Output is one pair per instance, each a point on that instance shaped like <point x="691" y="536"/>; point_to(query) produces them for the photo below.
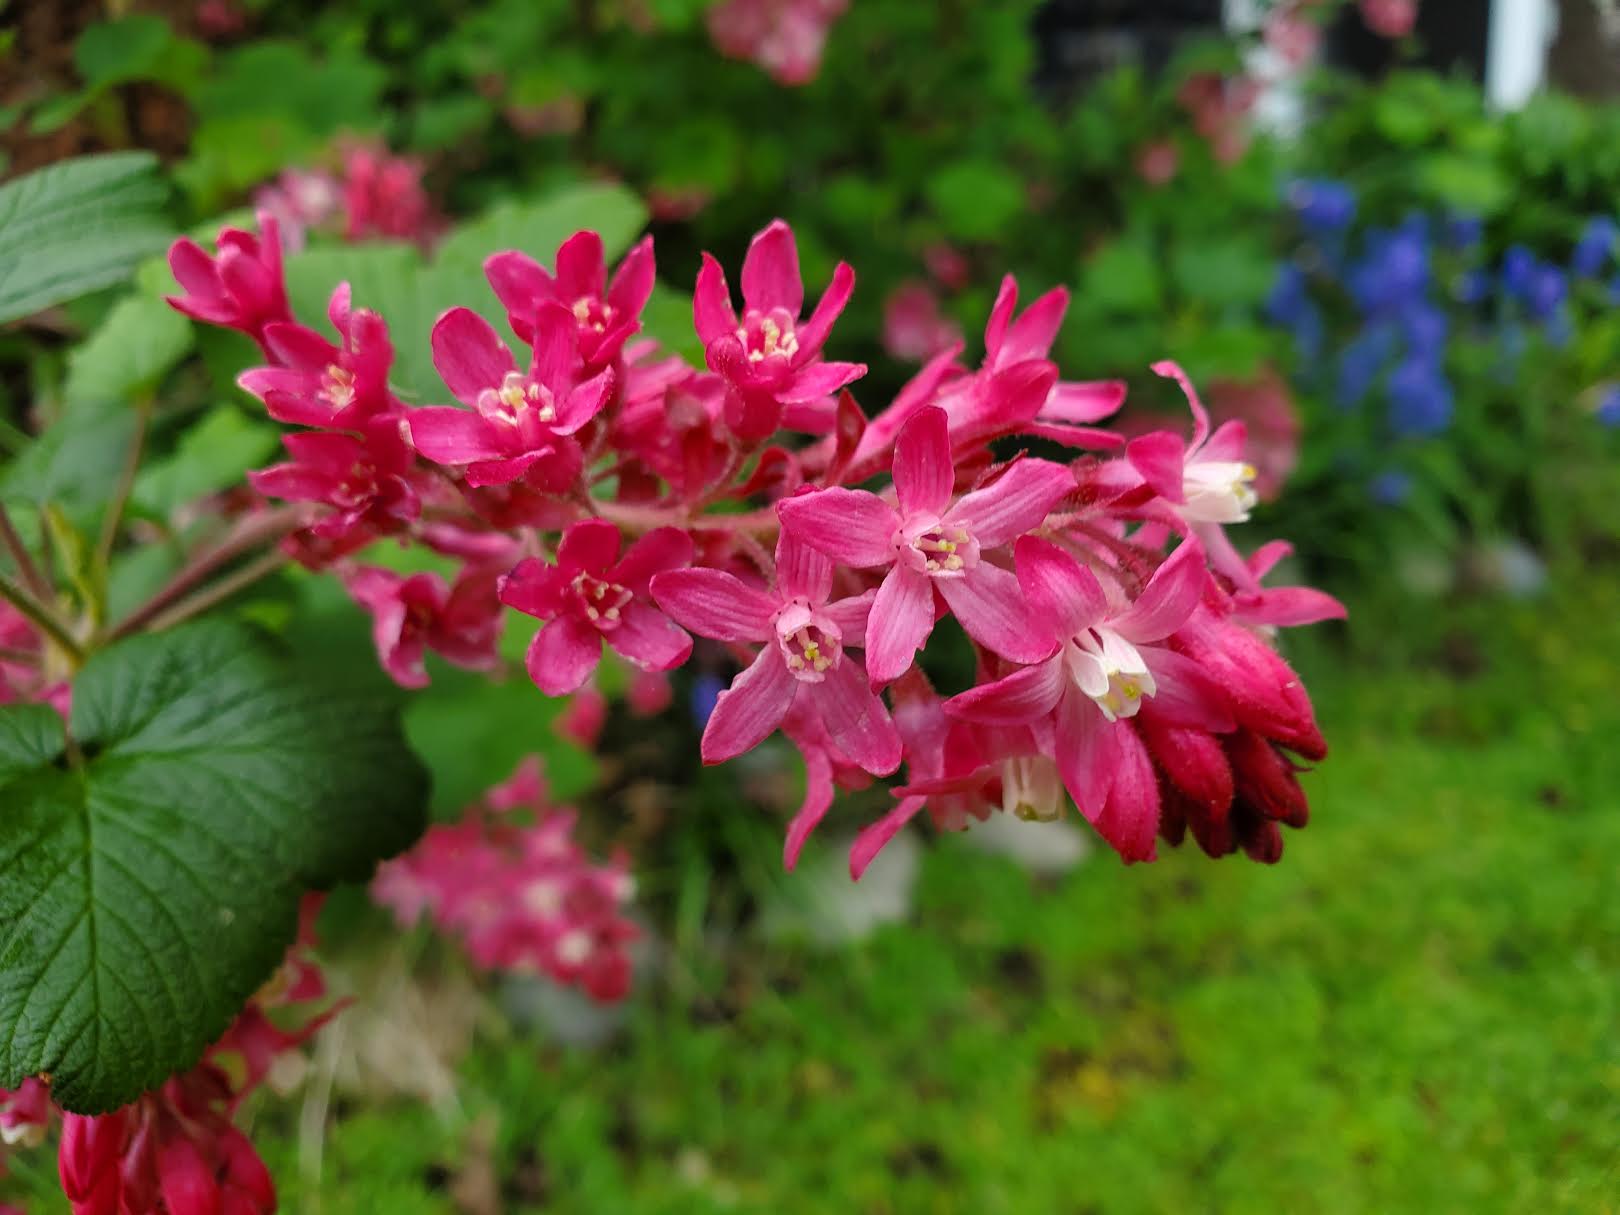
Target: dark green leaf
<point x="148" y="889"/>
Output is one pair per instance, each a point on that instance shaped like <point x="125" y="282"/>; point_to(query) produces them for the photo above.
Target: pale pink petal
<point x="802" y="570"/>
<point x="1171" y="370"/>
<point x="1288" y="606"/>
<point x="580" y="270"/>
<point x="1264" y="559"/>
<point x="747" y="712"/>
<point x="1014" y="503"/>
<point x="1229" y="442"/>
<point x="713" y="603"/>
<point x="851" y="526"/>
<point x="924" y="472"/>
<point x="563" y="654"/>
<point x="1063" y="595"/>
<point x="813" y="333"/>
<point x="770" y="273"/>
<point x="818" y="796"/>
<point x="591" y="545"/>
<point x="663" y="548"/>
<point x="1013" y="700"/>
<point x="633" y="281"/>
<point x="1161" y="458"/>
<point x="469" y="354"/>
<point x="1084" y="752"/>
<point x="856" y="719"/>
<point x="988" y="604"/>
<point x="649" y="638"/>
<point x="1169" y="597"/>
<point x="447" y="435"/>
<point x="875" y="838"/>
<point x="819" y="380"/>
<point x="1084" y="402"/>
<point x="901" y="620"/>
<point x="711" y="304"/>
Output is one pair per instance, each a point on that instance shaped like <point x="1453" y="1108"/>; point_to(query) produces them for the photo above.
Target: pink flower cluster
<point x="178" y="1150"/>
<point x="785" y="37"/>
<point x="373" y="195"/>
<point x="1123" y="644"/>
<point x="509" y="882"/>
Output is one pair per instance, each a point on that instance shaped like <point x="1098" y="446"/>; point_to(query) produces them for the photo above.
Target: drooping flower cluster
<point x="752" y="510"/>
<point x="511" y="884"/>
<point x="373" y="195"/>
<point x="785" y="37"/>
<point x="178" y="1150"/>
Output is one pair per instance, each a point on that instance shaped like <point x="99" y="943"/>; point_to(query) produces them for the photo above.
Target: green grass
<point x="1415" y="1011"/>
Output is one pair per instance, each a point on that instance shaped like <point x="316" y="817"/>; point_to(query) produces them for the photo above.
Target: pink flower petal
<point x="518" y="281"/>
<point x="711" y="304"/>
<point x="584" y="402"/>
<point x="856" y="719"/>
<point x="802" y="570"/>
<point x="535" y="588"/>
<point x="581" y="272"/>
<point x="663" y="548"/>
<point x="813" y="333"/>
<point x="1169" y="597"/>
<point x="875" y="838"/>
<point x="1014" y="503"/>
<point x="1031" y="335"/>
<point x="563" y="654"/>
<point x="1186" y="696"/>
<point x="299" y="347"/>
<point x="818" y="796"/>
<point x="556" y="336"/>
<point x="469" y="354"/>
<point x="1172" y="371"/>
<point x="748" y="712"/>
<point x="851" y="616"/>
<point x="1084" y="402"/>
<point x="504" y="472"/>
<point x="901" y="620"/>
<point x="1013" y="700"/>
<point x="851" y="526"/>
<point x="633" y="281"/>
<point x="1063" y="595"/>
<point x="1001" y="313"/>
<point x="924" y="471"/>
<point x="447" y="435"/>
<point x="591" y="545"/>
<point x="1130" y="818"/>
<point x="713" y="603"/>
<point x="1161" y="458"/>
<point x="1288" y="606"/>
<point x="1084" y="745"/>
<point x="819" y="380"/>
<point x="770" y="273"/>
<point x="649" y="638"/>
<point x="988" y="604"/>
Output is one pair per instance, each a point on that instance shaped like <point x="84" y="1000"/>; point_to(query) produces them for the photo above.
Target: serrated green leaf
<point x="75" y="463"/>
<point x="137" y="344"/>
<point x="149" y="889"/>
<point x="77" y="226"/>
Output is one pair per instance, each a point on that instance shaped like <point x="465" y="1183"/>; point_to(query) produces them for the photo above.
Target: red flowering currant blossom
<point x="383" y="197"/>
<point x="1390" y="18"/>
<point x="927" y="542"/>
<point x="914" y="329"/>
<point x="520" y="423"/>
<point x="785" y="37"/>
<point x="592" y="595"/>
<point x="607" y="314"/>
<point x="322" y="385"/>
<point x="25" y="1114"/>
<point x="414" y="614"/>
<point x="805" y="656"/>
<point x="771" y="360"/>
<point x="241" y="287"/>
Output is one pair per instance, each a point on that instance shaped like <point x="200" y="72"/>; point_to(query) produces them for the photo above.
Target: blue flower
<point x="1472" y="287"/>
<point x="1464" y="232"/>
<point x="706" y="689"/>
<point x="1608" y="410"/>
<point x="1595" y="248"/>
<point x="1548" y="288"/>
<point x="1425" y="328"/>
<point x="1518" y="268"/>
<point x="1323" y="206"/>
<point x="1420" y="398"/>
<point x="1393" y="270"/>
<point x="1390" y="488"/>
<point x="1361" y="361"/>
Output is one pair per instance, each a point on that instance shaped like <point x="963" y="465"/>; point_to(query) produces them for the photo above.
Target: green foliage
<point x="76" y="226"/>
<point x="135" y="346"/>
<point x="153" y="867"/>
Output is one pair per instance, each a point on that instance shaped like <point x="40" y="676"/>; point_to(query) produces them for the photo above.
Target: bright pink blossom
<point x="785" y="37"/>
<point x="805" y="656"/>
<point x="1390" y="18"/>
<point x="914" y="329"/>
<point x="322" y="385"/>
<point x="606" y="314"/>
<point x="520" y="422"/>
<point x="771" y="359"/>
<point x="383" y="197"/>
<point x="414" y="614"/>
<point x="241" y="287"/>
<point x="929" y="542"/>
<point x="25" y="1114"/>
<point x="1158" y="162"/>
<point x="592" y="595"/>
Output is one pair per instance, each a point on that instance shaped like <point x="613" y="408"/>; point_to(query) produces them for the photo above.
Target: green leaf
<point x="537" y="228"/>
<point x="975" y="200"/>
<point x="77" y="226"/>
<point x="1223" y="272"/>
<point x="137" y="344"/>
<point x="149" y="889"/>
<point x="213" y="455"/>
<point x="75" y="463"/>
<point x="1122" y="277"/>
<point x="112" y="52"/>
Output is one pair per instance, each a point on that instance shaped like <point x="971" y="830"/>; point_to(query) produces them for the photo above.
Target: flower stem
<point x="43" y="618"/>
<point x="26" y="569"/>
<point x="218" y="592"/>
<point x="120" y="498"/>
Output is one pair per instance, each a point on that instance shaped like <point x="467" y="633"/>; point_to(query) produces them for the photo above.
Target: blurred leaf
<point x="75" y="463"/>
<point x="1229" y="272"/>
<point x="975" y="199"/>
<point x="76" y="226"/>
<point x="537" y="228"/>
<point x="1123" y="277"/>
<point x="213" y="455"/>
<point x="131" y="351"/>
<point x="1465" y="185"/>
<point x="130" y="48"/>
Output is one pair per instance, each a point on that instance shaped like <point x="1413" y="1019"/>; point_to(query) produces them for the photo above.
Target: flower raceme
<point x="1123" y="644"/>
